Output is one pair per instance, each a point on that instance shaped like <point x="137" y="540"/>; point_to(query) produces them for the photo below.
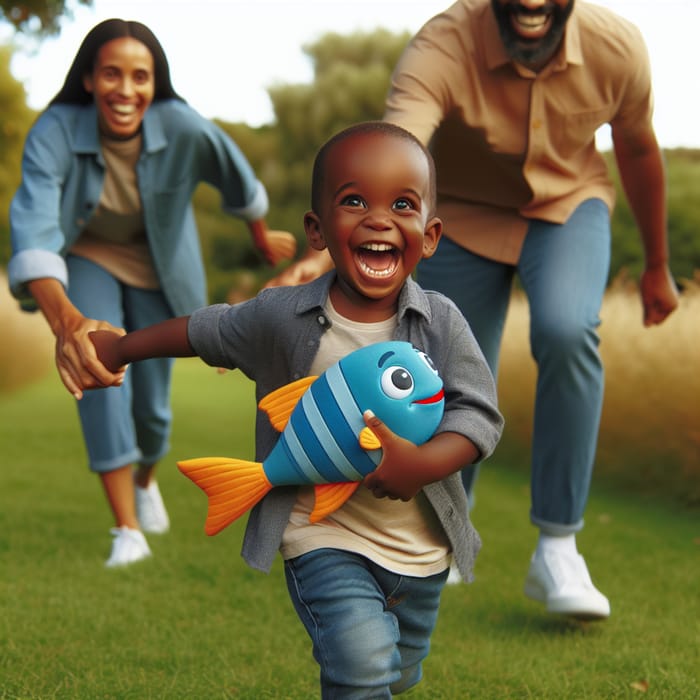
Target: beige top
<point x="509" y="144"/>
<point x="403" y="537"/>
<point x="115" y="236"/>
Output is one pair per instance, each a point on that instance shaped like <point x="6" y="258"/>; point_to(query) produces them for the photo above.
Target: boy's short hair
<point x="369" y="127"/>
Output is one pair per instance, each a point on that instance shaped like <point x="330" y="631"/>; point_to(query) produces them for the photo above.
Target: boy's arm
<point x="406" y="468"/>
<point x="166" y="339"/>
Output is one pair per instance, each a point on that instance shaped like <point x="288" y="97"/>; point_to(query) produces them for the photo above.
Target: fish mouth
<point x="378" y="259"/>
<point x="435" y="398"/>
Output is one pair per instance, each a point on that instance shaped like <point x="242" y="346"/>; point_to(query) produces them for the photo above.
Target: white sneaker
<point x="150" y="509"/>
<point x="128" y="547"/>
<point x="561" y="581"/>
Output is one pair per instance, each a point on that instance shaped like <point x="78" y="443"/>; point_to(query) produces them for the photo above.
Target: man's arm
<point x="642" y="171"/>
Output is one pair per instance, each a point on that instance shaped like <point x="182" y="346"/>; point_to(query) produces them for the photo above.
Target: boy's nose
<point x="378" y="220"/>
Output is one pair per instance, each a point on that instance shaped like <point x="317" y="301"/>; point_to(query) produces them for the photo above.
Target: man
<point x="509" y="95"/>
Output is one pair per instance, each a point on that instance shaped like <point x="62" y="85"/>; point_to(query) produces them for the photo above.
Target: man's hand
<point x="659" y="294"/>
<point x="313" y="264"/>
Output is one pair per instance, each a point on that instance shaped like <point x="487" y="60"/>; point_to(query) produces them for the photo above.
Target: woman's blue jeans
<point x="370" y="628"/>
<point x="563" y="269"/>
<point x="131" y="423"/>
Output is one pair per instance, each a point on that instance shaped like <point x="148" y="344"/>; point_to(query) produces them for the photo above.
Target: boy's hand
<point x="401" y="473"/>
<point x="106" y="346"/>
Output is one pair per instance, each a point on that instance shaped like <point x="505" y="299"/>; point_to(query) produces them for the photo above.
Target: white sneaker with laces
<point x="128" y="547"/>
<point x="561" y="581"/>
<point x="150" y="509"/>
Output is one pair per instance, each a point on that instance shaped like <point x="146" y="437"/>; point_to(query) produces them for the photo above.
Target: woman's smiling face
<point x="122" y="84"/>
<point x="375" y="216"/>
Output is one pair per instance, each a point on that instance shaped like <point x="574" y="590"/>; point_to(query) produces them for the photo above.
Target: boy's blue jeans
<point x="131" y="423"/>
<point x="370" y="628"/>
<point x="563" y="269"/>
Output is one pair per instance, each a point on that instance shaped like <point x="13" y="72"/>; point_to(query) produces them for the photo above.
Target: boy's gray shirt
<point x="273" y="340"/>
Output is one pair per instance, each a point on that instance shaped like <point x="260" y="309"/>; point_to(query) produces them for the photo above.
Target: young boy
<point x="365" y="581"/>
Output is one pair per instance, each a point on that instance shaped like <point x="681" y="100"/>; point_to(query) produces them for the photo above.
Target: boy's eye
<point x="353" y="200"/>
<point x="403" y="203"/>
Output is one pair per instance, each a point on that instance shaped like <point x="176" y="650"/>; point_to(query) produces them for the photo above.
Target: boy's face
<point x="374" y="217"/>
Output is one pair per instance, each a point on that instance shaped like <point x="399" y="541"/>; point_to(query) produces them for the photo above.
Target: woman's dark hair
<point x="73" y="91"/>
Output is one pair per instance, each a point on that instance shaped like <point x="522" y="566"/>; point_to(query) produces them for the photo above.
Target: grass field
<point x="195" y="623"/>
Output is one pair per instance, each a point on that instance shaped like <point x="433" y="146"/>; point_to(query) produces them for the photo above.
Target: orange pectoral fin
<point x="233" y="487"/>
<point x="368" y="440"/>
<point x="329" y="497"/>
<point x="280" y="403"/>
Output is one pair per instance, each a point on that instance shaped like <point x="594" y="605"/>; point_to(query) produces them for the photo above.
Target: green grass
<point x="194" y="622"/>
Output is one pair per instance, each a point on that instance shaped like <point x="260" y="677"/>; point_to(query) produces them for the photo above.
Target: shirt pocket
<point x="574" y="132"/>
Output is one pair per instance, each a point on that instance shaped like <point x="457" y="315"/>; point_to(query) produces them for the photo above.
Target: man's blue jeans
<point x="563" y="269"/>
<point x="131" y="423"/>
<point x="370" y="628"/>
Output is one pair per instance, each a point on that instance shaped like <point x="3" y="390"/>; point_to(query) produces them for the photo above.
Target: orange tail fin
<point x="233" y="486"/>
<point x="329" y="497"/>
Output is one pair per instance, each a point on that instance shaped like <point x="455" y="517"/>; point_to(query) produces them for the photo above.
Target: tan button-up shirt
<point x="509" y="144"/>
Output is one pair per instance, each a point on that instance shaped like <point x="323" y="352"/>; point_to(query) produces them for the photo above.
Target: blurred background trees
<point x="351" y="78"/>
<point x="39" y="17"/>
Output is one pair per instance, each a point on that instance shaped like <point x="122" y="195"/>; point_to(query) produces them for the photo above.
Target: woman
<point x="102" y="228"/>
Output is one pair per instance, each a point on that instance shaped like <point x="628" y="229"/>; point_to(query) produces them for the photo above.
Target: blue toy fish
<point x="324" y="438"/>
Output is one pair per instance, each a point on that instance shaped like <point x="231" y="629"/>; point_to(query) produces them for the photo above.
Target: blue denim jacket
<point x="62" y="177"/>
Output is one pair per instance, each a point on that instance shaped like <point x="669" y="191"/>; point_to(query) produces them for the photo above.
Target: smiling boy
<point x="366" y="580"/>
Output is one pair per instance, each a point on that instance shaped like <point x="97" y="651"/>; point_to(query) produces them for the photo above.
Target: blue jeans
<point x="131" y="423"/>
<point x="370" y="628"/>
<point x="563" y="269"/>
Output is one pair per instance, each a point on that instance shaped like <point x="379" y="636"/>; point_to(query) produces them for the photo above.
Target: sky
<point x="224" y="54"/>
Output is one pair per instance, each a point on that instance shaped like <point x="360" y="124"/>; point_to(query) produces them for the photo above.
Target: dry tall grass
<point x="26" y="355"/>
<point x="650" y="430"/>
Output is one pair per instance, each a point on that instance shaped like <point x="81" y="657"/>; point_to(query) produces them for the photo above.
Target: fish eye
<point x="427" y="361"/>
<point x="397" y="382"/>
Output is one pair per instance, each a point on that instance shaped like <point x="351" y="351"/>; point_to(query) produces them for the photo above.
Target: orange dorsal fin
<point x="233" y="487"/>
<point x="329" y="497"/>
<point x="280" y="403"/>
<point x="368" y="440"/>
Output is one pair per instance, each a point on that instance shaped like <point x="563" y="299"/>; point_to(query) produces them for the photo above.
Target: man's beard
<point x="533" y="51"/>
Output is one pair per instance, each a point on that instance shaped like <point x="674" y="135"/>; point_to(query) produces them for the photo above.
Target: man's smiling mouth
<point x="377" y="259"/>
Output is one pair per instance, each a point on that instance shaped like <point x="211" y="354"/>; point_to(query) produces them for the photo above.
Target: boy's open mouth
<point x="377" y="259"/>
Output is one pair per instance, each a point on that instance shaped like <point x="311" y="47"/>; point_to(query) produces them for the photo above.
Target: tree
<point x="15" y="122"/>
<point x="39" y="17"/>
<point x="351" y="79"/>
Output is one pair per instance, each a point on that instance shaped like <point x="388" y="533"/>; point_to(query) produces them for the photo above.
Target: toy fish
<point x="324" y="439"/>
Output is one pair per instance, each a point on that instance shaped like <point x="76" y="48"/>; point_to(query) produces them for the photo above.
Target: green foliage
<point x="195" y="622"/>
<point x="14" y="124"/>
<point x="683" y="178"/>
<point x="351" y="78"/>
<point x="39" y="17"/>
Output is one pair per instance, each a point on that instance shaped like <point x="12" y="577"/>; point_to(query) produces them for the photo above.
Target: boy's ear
<point x="312" y="227"/>
<point x="87" y="83"/>
<point x="432" y="236"/>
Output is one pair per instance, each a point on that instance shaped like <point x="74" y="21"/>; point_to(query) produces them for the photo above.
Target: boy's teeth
<point x="377" y="247"/>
